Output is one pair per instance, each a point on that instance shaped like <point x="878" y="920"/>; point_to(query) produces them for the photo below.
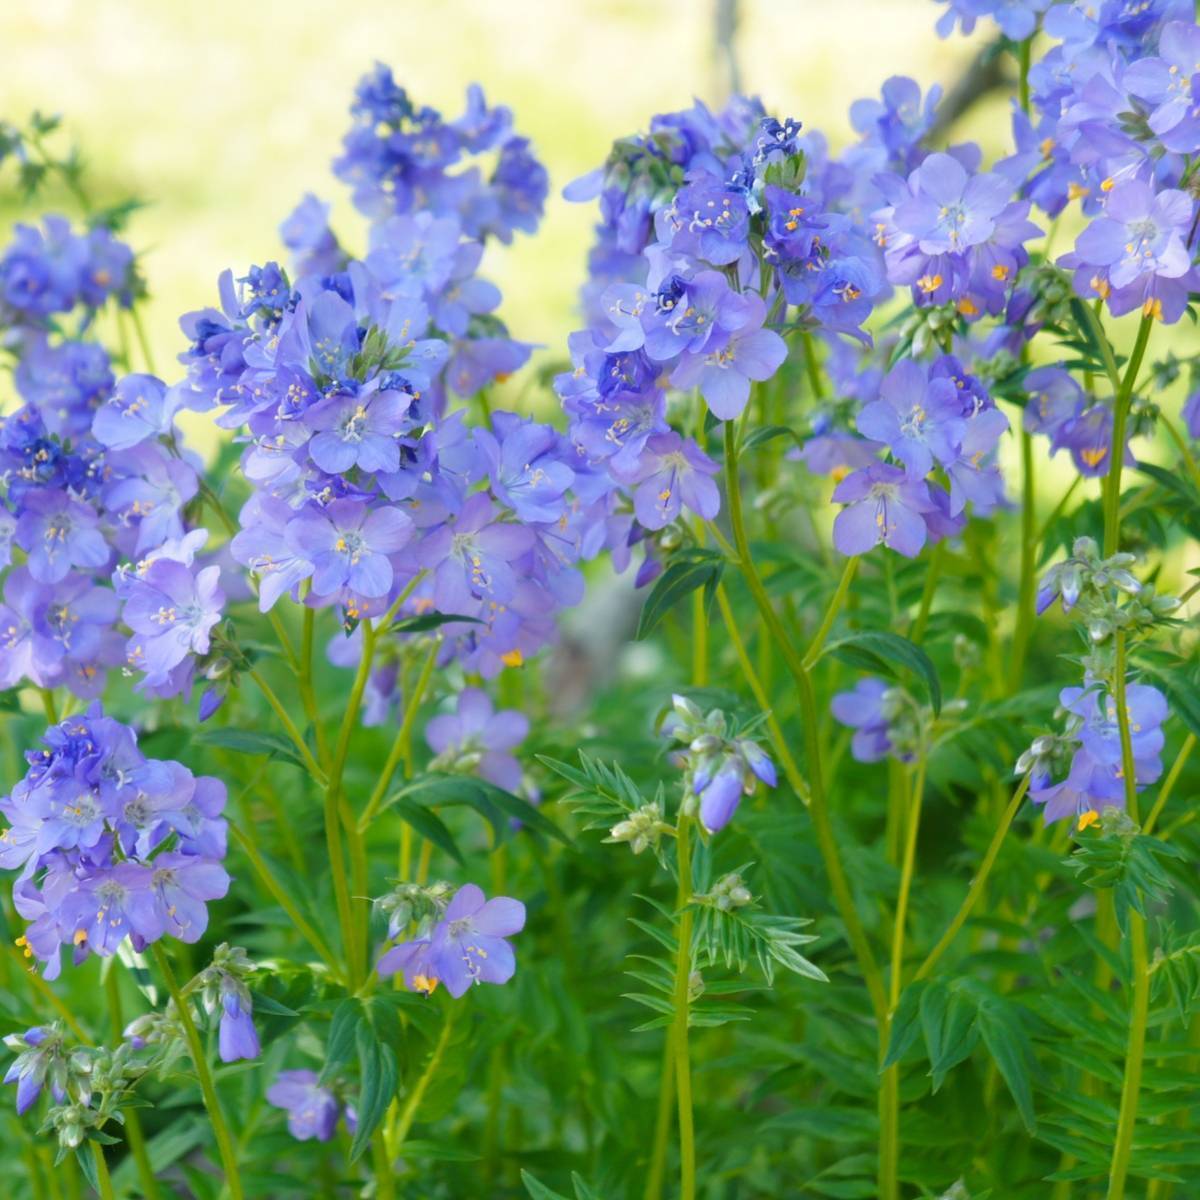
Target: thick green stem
<point x="1112" y="490"/>
<point x="818" y="808"/>
<point x="51" y="709"/>
<point x="662" y="1122"/>
<point x="103" y="1179"/>
<point x="1139" y="1006"/>
<point x="1027" y="587"/>
<point x="977" y="884"/>
<point x="399" y="748"/>
<point x="208" y="1089"/>
<point x="679" y="1032"/>
<point x="889" y="1091"/>
<point x="355" y="954"/>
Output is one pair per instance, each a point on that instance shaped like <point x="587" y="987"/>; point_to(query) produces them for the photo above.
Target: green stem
<point x="1139" y="1006"/>
<point x="49" y="705"/>
<point x="790" y="770"/>
<point x="831" y="612"/>
<point x="283" y="899"/>
<point x="403" y="736"/>
<point x="304" y="677"/>
<point x="662" y="1122"/>
<point x="133" y="1124"/>
<point x="413" y="1103"/>
<point x="889" y="1092"/>
<point x="333" y="824"/>
<point x="297" y="738"/>
<point x="1023" y="56"/>
<point x="385" y="1177"/>
<point x="203" y="1075"/>
<point x="143" y="342"/>
<point x="933" y="573"/>
<point x="818" y="808"/>
<point x="1168" y="786"/>
<point x="1182" y="446"/>
<point x="1112" y="492"/>
<point x="679" y="1032"/>
<point x="1027" y="588"/>
<point x="977" y="884"/>
<point x="51" y="997"/>
<point x="813" y="366"/>
<point x="103" y="1179"/>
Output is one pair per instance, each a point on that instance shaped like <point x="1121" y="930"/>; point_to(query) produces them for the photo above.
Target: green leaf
<point x="688" y="570"/>
<point x="430" y="620"/>
<point x="905" y="1024"/>
<point x="492" y="802"/>
<point x="429" y="825"/>
<point x="1008" y="1044"/>
<point x="264" y="1004"/>
<point x="538" y="1190"/>
<point x="766" y="433"/>
<point x="377" y="1087"/>
<point x="250" y="741"/>
<point x="948" y="1022"/>
<point x="880" y="651"/>
<point x="339" y="1046"/>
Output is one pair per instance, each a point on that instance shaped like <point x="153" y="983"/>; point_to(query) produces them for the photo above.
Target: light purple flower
<point x="882" y="505"/>
<point x="348" y="546"/>
<point x="312" y="1110"/>
<point x="58" y="533"/>
<point x="478" y="737"/>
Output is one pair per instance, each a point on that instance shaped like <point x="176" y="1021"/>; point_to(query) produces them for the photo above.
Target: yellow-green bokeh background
<point x="222" y="113"/>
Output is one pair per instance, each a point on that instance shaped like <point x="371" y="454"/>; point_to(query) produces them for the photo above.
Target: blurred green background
<point x="222" y="114"/>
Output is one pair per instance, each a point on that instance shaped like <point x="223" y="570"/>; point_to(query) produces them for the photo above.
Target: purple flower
<point x="1170" y="83"/>
<point x="141" y="407"/>
<point x="526" y="471"/>
<point x="863" y="711"/>
<point x="882" y="505"/>
<point x="348" y="546"/>
<point x="171" y="611"/>
<point x="354" y="431"/>
<point x="58" y="533"/>
<point x="687" y="315"/>
<point x="1135" y="255"/>
<point x="950" y="210"/>
<point x="237" y="1037"/>
<point x="724" y="370"/>
<point x="472" y="557"/>
<point x="671" y="472"/>
<point x="477" y="738"/>
<point x="918" y="418"/>
<point x="468" y="945"/>
<point x="175" y="900"/>
<point x="312" y="1110"/>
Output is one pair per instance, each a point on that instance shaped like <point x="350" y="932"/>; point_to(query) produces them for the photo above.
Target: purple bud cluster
<point x="110" y="844"/>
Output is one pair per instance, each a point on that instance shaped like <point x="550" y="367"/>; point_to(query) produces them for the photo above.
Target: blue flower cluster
<point x="370" y="490"/>
<point x="110" y="844"/>
<point x="54" y="271"/>
<point x="94" y="475"/>
<point x="1114" y="119"/>
<point x="724" y="235"/>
